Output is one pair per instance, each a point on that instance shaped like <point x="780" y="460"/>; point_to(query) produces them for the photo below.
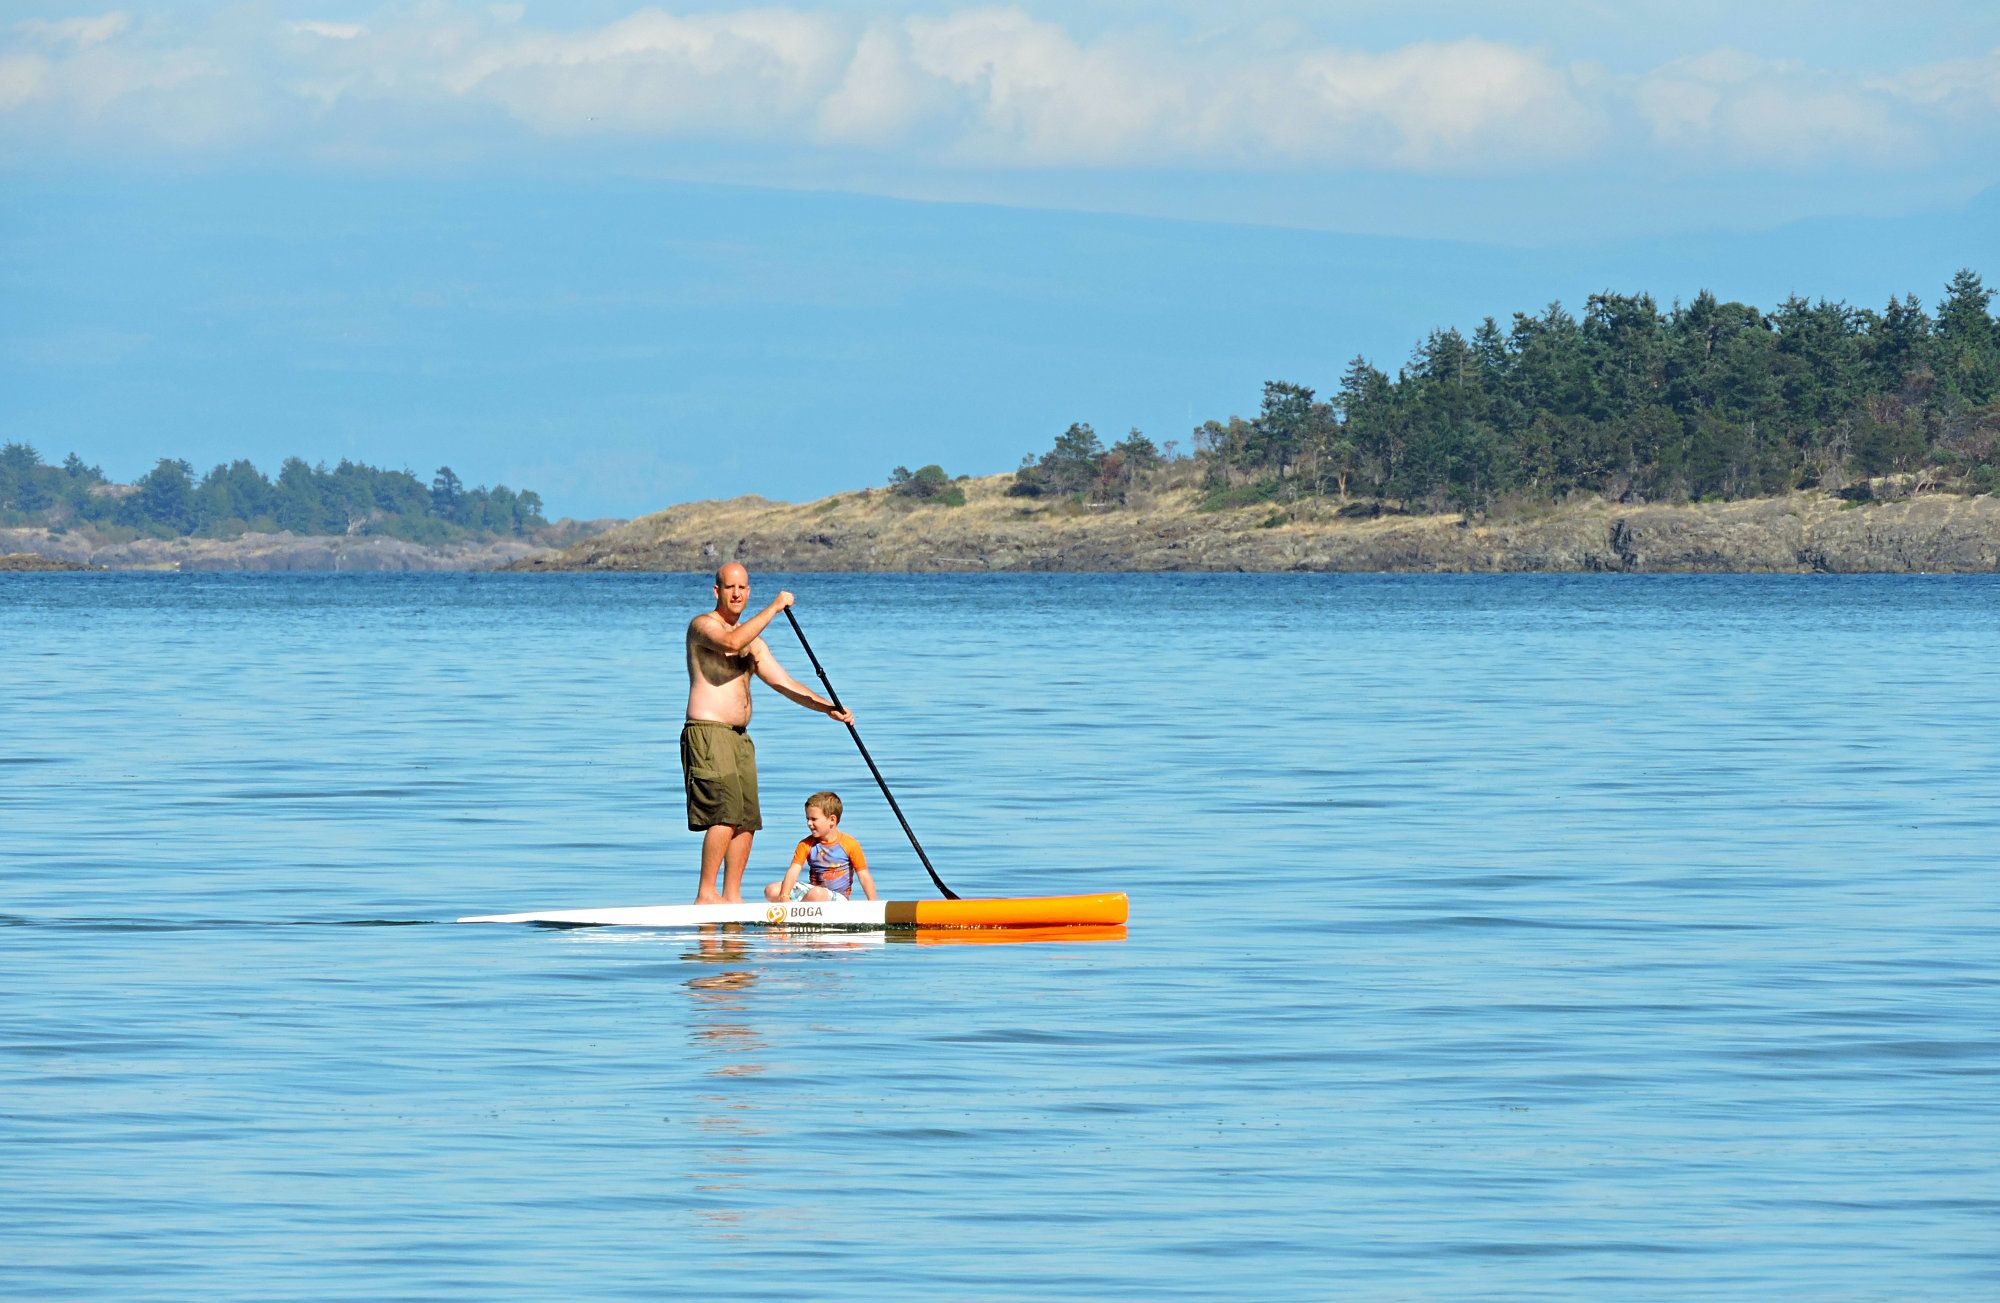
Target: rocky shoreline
<point x="876" y="531"/>
<point x="76" y="550"/>
<point x="32" y="562"/>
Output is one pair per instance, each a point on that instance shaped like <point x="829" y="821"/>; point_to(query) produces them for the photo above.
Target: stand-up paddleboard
<point x="1020" y="911"/>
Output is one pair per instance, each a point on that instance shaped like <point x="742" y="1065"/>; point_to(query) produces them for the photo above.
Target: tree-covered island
<point x="1703" y="401"/>
<point x="352" y="498"/>
<point x="1705" y="436"/>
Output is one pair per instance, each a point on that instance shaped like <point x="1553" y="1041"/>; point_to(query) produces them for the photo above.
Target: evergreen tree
<point x="500" y="517"/>
<point x="165" y="501"/>
<point x="1822" y="373"/>
<point x="1627" y="339"/>
<point x="1137" y="452"/>
<point x="1363" y="408"/>
<point x="22" y="485"/>
<point x="1898" y="345"/>
<point x="1967" y="341"/>
<point x="1283" y="430"/>
<point x="300" y="505"/>
<point x="1072" y="465"/>
<point x="446" y="491"/>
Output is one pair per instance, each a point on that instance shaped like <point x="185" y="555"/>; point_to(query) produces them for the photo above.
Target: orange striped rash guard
<point x="831" y="864"/>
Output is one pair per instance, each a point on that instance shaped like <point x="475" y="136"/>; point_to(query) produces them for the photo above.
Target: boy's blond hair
<point x="828" y="803"/>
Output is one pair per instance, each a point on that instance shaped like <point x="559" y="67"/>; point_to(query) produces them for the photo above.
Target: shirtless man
<point x="720" y="765"/>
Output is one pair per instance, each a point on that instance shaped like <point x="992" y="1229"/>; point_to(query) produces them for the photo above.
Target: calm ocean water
<point x="1502" y="937"/>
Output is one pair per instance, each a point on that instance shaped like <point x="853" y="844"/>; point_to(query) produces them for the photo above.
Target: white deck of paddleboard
<point x="829" y="913"/>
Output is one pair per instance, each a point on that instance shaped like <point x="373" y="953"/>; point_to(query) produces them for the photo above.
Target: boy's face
<point x="820" y="823"/>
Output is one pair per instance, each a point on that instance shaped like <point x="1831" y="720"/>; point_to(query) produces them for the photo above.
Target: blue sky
<point x="629" y="256"/>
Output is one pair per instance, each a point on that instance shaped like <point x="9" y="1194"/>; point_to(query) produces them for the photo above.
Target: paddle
<point x="834" y="697"/>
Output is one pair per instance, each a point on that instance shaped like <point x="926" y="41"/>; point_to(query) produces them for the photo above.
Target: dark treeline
<point x="1701" y="401"/>
<point x="168" y="501"/>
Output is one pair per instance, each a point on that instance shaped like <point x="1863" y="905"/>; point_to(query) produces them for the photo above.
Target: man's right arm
<point x="735" y="640"/>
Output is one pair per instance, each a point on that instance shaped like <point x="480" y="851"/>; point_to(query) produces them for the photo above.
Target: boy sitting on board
<point x="828" y="857"/>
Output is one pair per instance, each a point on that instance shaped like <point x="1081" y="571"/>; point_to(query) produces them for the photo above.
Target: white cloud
<point x="331" y="31"/>
<point x="749" y="73"/>
<point x="95" y="81"/>
<point x="1742" y="110"/>
<point x="1959" y="88"/>
<point x="972" y="88"/>
<point x="1432" y="105"/>
<point x="81" y="32"/>
<point x="1017" y="91"/>
<point x="883" y="98"/>
<point x="1032" y="94"/>
<point x="22" y="77"/>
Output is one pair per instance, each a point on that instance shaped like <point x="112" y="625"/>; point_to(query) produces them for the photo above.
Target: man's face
<point x="732" y="589"/>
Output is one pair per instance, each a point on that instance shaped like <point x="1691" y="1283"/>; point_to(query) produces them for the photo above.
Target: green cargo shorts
<point x="719" y="764"/>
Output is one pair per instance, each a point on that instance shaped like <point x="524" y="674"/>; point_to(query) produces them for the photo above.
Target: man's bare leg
<point x="733" y="864"/>
<point x="714" y="843"/>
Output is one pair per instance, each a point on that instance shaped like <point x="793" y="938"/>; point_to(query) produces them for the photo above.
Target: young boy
<point x="830" y="858"/>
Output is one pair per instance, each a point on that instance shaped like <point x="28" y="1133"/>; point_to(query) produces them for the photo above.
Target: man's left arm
<point x="767" y="668"/>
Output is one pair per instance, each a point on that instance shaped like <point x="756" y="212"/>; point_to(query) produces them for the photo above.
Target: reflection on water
<point x="723" y="1038"/>
<point x="1009" y="936"/>
<point x="749" y="983"/>
<point x="721" y="997"/>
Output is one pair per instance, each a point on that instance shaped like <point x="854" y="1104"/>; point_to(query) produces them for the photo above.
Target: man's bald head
<point x="732" y="591"/>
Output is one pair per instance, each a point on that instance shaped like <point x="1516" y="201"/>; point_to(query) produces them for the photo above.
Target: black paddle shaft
<point x="854" y="733"/>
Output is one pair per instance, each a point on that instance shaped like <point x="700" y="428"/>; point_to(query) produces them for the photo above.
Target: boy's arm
<point x="860" y="863"/>
<point x="792" y="872"/>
